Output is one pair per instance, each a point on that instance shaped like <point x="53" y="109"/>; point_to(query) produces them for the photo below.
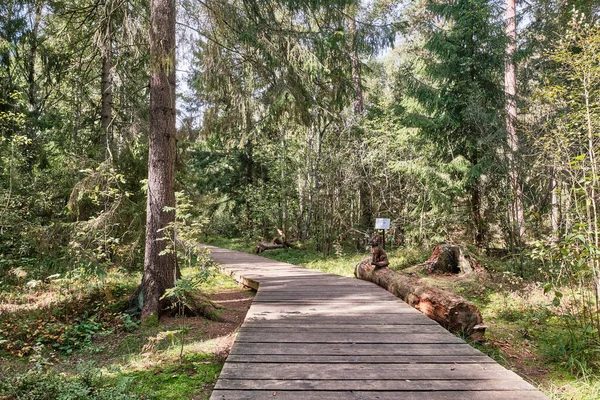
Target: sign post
<point x="382" y="224"/>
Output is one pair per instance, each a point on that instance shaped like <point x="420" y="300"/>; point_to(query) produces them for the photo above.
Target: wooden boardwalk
<point x="310" y="335"/>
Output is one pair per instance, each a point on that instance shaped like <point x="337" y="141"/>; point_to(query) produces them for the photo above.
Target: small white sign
<point x="382" y="223"/>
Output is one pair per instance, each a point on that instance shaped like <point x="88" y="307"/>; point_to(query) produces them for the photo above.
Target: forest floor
<point x="67" y="336"/>
<point x="68" y="339"/>
<point x="526" y="332"/>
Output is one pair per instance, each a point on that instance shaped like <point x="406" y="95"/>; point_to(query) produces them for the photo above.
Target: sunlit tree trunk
<point x="160" y="269"/>
<point x="516" y="214"/>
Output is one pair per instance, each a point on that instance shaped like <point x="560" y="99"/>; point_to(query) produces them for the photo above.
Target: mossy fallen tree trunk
<point x="451" y="311"/>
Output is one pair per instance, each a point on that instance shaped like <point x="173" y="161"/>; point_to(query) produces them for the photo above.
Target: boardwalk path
<point x="311" y="335"/>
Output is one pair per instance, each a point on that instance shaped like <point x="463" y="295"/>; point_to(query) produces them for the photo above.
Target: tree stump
<point x="449" y="258"/>
<point x="451" y="311"/>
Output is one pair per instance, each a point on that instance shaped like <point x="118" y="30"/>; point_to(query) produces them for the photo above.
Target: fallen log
<point x="276" y="243"/>
<point x="451" y="311"/>
<point x="268" y="246"/>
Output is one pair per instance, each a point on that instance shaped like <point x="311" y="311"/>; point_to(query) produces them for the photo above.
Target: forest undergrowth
<point x="69" y="338"/>
<point x="529" y="331"/>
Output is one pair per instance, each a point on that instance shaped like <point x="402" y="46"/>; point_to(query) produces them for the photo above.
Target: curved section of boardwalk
<point x="311" y="335"/>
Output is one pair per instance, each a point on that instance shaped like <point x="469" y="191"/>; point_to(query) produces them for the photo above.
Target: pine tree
<point x="160" y="265"/>
<point x="456" y="85"/>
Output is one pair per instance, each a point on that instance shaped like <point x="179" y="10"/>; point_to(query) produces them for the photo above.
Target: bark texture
<point x="160" y="270"/>
<point x="451" y="311"/>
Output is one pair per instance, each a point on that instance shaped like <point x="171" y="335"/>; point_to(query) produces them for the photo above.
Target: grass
<point x="68" y="339"/>
<point x="526" y="332"/>
<point x="194" y="376"/>
<point x="111" y="357"/>
<point x="342" y="263"/>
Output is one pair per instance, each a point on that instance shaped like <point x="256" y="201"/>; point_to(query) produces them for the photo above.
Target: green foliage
<point x="180" y="381"/>
<point x="70" y="316"/>
<point x="452" y="94"/>
<point x="570" y="254"/>
<point x="38" y="384"/>
<point x="181" y="294"/>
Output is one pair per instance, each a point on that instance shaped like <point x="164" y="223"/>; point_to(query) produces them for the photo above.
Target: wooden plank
<point x="355" y="349"/>
<point x="333" y="291"/>
<point x="372" y="384"/>
<point x="340" y="320"/>
<point x="287" y="371"/>
<point x="324" y="337"/>
<point x="348" y="318"/>
<point x="375" y="395"/>
<point x="349" y="287"/>
<point x="360" y="359"/>
<point x="319" y="300"/>
<point x="342" y="298"/>
<point x="292" y="367"/>
<point x="326" y="309"/>
<point x="331" y="328"/>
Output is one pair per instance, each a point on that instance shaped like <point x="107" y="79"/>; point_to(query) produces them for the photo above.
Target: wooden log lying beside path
<point x="451" y="311"/>
<point x="268" y="246"/>
<point x="276" y="243"/>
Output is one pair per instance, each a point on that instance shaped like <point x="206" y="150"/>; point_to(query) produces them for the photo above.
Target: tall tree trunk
<point x="314" y="190"/>
<point x="555" y="217"/>
<point x="106" y="89"/>
<point x="478" y="223"/>
<point x="106" y="92"/>
<point x="356" y="78"/>
<point x="283" y="187"/>
<point x="366" y="206"/>
<point x="593" y="224"/>
<point x="32" y="92"/>
<point x="33" y="49"/>
<point x="160" y="270"/>
<point x="248" y="161"/>
<point x="364" y="191"/>
<point x="33" y="151"/>
<point x="510" y="87"/>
